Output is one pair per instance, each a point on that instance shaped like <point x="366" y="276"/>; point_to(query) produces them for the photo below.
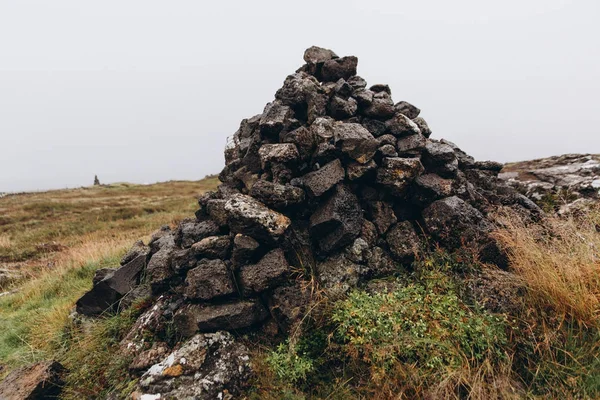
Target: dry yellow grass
<point x="5" y="241"/>
<point x="559" y="261"/>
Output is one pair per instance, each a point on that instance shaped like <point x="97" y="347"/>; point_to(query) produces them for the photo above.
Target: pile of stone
<point x="334" y="182"/>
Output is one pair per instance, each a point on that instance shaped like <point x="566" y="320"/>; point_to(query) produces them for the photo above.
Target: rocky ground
<point x="560" y="183"/>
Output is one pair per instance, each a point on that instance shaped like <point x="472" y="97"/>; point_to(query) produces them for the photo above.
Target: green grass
<point x="33" y="319"/>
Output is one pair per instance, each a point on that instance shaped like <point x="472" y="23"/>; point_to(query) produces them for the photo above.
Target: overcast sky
<point x="145" y="91"/>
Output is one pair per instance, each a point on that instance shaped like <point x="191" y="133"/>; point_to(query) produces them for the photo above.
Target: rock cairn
<point x="333" y="181"/>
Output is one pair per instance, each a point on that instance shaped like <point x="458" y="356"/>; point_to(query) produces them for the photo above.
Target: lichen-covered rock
<point x="250" y="217"/>
<point x="277" y="195"/>
<point x="207" y="366"/>
<point x="397" y="173"/>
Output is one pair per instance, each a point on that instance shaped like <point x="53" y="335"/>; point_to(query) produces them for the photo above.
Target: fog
<point x="146" y="91"/>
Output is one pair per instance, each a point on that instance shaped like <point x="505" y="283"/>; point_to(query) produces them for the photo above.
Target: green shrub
<point x="418" y="326"/>
<point x="288" y="365"/>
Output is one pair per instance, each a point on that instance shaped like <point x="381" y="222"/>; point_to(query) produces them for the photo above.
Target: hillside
<point x="559" y="183"/>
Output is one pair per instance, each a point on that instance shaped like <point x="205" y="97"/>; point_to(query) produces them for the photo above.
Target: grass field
<point x="56" y="240"/>
<point x="37" y="230"/>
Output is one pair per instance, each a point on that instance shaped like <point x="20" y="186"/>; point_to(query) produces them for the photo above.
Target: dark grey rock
<point x="387" y="139"/>
<point x="208" y="280"/>
<point x="191" y="231"/>
<point x="400" y="125"/>
<point x="138" y="249"/>
<point x="343" y="89"/>
<point x="355" y="141"/>
<point x="42" y="380"/>
<point x="271" y="271"/>
<point x="315" y="55"/>
<point x="397" y="173"/>
<point x="106" y="293"/>
<point x="212" y="247"/>
<point x="102" y="273"/>
<point x="320" y="181"/>
<point x="357" y="82"/>
<point x="193" y="318"/>
<point x="278" y="153"/>
<point x="437" y="153"/>
<point x="274" y="119"/>
<point x="381" y="88"/>
<point x="302" y="138"/>
<point x="379" y="263"/>
<point x="382" y="215"/>
<point x="159" y="270"/>
<point x="388" y="150"/>
<point x="338" y="273"/>
<point x="216" y="209"/>
<point x="430" y="187"/>
<point x="244" y="248"/>
<point x="364" y="98"/>
<point x="356" y="171"/>
<point x="407" y="109"/>
<point x="403" y="241"/>
<point x="382" y="107"/>
<point x="298" y="89"/>
<point x="412" y="145"/>
<point x="337" y="221"/>
<point x="453" y="222"/>
<point x="277" y="195"/>
<point x="337" y="68"/>
<point x="288" y="304"/>
<point x="425" y="130"/>
<point x="340" y="108"/>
